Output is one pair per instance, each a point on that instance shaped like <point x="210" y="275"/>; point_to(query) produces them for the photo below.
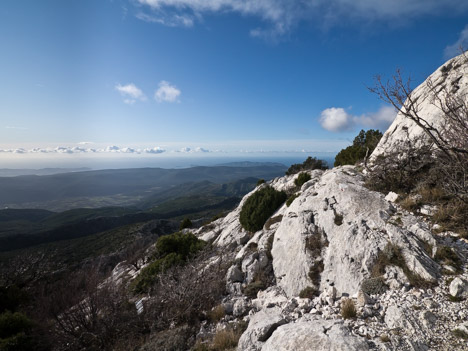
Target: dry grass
<point x="216" y="314"/>
<point x="225" y="340"/>
<point x="348" y="309"/>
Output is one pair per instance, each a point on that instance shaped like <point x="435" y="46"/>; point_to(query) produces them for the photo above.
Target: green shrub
<point x="309" y="164"/>
<point x="260" y="182"/>
<point x="291" y="199"/>
<point x="363" y="144"/>
<point x="308" y="292"/>
<point x="180" y="243"/>
<point x="348" y="309"/>
<point x="301" y="179"/>
<point x="374" y="286"/>
<point x="171" y="250"/>
<point x="259" y="207"/>
<point x="186" y="223"/>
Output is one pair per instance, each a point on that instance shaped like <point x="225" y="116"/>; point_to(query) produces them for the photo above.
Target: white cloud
<point x="337" y="119"/>
<point x="167" y="92"/>
<point x="112" y="148"/>
<point x="462" y="43"/>
<point x="155" y="150"/>
<point x="185" y="149"/>
<point x="200" y="149"/>
<point x="85" y="143"/>
<point x="131" y="93"/>
<point x="282" y="15"/>
<point x="170" y="21"/>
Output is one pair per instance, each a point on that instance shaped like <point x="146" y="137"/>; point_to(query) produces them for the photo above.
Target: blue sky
<point x="169" y="77"/>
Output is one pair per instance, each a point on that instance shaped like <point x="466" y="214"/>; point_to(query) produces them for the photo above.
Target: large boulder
<point x="356" y="224"/>
<point x="317" y="335"/>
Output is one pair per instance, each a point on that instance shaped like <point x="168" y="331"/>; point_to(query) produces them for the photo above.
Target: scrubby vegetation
<point x="432" y="169"/>
<point x="309" y="164"/>
<point x="301" y="179"/>
<point x="308" y="292"/>
<point x="374" y="286"/>
<point x="259" y="207"/>
<point x="171" y="250"/>
<point x="362" y="147"/>
<point x="186" y="223"/>
<point x="392" y="255"/>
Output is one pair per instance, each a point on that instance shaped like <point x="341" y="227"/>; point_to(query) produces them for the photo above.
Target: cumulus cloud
<point x="462" y="43"/>
<point x="131" y="93"/>
<point x="282" y="15"/>
<point x="167" y="92"/>
<point x="155" y="150"/>
<point x="337" y="119"/>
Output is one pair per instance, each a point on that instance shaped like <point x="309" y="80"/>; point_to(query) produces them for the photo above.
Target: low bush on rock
<point x="374" y="286"/>
<point x="309" y="164"/>
<point x="308" y="292"/>
<point x="259" y="207"/>
<point x="301" y="179"/>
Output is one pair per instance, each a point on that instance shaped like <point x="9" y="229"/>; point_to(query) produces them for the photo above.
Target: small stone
<point x="391" y="196"/>
<point x="458" y="288"/>
<point x="363" y="299"/>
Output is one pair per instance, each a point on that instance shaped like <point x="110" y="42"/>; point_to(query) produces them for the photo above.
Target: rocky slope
<point x="338" y="240"/>
<point x="354" y="226"/>
<point x="451" y="77"/>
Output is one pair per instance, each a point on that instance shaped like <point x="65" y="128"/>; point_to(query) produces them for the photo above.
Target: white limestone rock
<point x="391" y="197"/>
<point x="353" y="215"/>
<point x="451" y="76"/>
<point x="459" y="288"/>
<point x="261" y="326"/>
<point x="317" y="335"/>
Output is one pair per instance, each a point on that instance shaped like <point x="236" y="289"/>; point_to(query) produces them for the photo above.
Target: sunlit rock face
<point x="450" y="78"/>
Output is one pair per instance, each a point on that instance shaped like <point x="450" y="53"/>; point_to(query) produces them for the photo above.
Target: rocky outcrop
<point x="451" y="77"/>
<point x="314" y="334"/>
